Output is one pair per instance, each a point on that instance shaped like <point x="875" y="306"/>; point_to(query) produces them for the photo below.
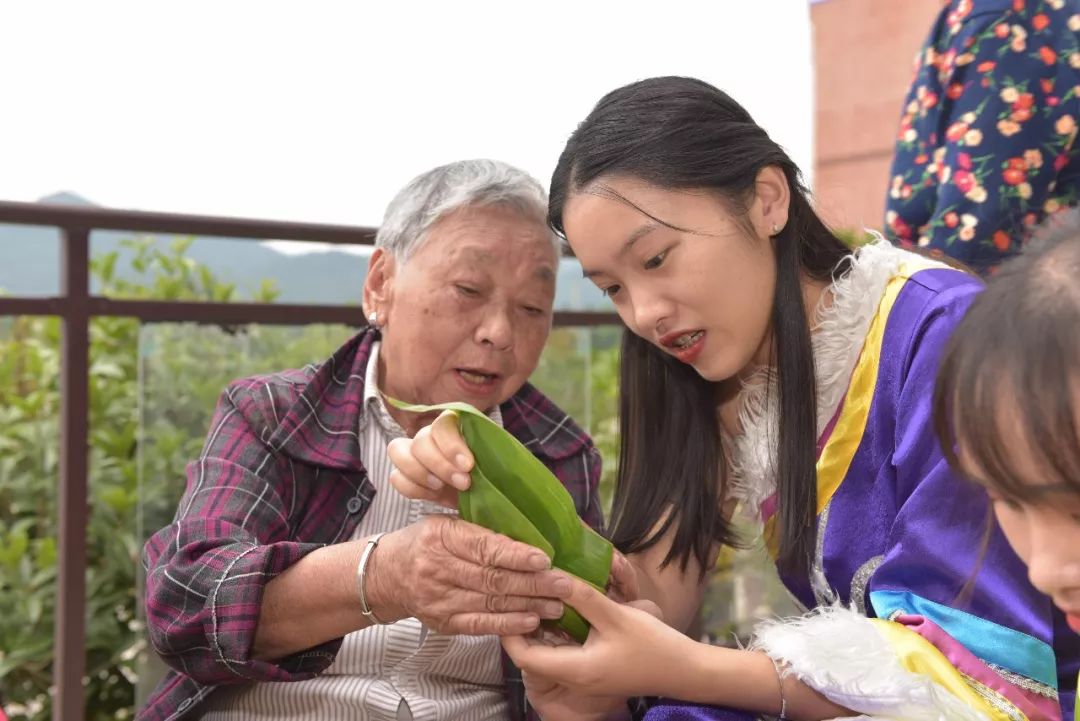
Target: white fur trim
<point x="840" y="654"/>
<point x="843" y="319"/>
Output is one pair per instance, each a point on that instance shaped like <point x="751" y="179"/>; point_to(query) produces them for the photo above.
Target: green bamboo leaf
<point x="486" y="506"/>
<point x="513" y="493"/>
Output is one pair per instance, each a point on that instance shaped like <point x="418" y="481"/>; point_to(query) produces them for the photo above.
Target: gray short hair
<point x="433" y="194"/>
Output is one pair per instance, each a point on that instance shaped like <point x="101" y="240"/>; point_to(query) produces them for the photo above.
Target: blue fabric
<point x="991" y="642"/>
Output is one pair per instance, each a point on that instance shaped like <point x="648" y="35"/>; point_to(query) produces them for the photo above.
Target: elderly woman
<point x="295" y="583"/>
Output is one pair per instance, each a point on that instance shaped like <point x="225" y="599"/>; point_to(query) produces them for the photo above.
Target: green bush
<point x="29" y="445"/>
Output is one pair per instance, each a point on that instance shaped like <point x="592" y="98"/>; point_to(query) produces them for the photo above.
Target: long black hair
<point x="682" y="133"/>
<point x="1008" y="390"/>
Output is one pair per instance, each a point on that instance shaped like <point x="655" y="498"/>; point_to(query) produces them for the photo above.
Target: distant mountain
<point x="30" y="258"/>
<point x="66" y="198"/>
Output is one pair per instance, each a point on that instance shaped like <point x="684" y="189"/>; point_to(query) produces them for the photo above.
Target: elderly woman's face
<point x="466" y="317"/>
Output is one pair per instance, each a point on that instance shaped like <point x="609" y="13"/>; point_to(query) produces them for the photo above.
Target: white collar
<point x="375" y="407"/>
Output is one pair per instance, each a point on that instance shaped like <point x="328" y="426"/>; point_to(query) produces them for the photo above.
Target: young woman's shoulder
<point x="925" y="310"/>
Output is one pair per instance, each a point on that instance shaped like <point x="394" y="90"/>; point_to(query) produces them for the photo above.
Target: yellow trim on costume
<point x="919" y="656"/>
<point x="840" y="448"/>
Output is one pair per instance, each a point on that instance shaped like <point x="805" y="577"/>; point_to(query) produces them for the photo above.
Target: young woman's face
<point x="1043" y="528"/>
<point x="703" y="292"/>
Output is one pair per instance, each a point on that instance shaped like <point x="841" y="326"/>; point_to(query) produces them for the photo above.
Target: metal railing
<point x="75" y="306"/>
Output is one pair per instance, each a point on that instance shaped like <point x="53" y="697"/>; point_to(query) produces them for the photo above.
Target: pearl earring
<point x="775" y="228"/>
<point x="373" y="319"/>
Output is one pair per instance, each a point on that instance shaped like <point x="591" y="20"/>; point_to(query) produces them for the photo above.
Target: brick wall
<point x="863" y="52"/>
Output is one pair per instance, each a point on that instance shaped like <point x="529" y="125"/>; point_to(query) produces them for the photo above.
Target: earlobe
<point x="773" y="197"/>
<point x="378" y="284"/>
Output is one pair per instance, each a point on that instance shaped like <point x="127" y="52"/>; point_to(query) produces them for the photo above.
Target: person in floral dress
<point x="986" y="144"/>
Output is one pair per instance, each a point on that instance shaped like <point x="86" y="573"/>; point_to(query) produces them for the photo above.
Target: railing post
<point x="69" y="643"/>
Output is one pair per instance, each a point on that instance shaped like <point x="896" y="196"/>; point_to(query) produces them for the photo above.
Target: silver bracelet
<point x="361" y="571"/>
<point x="783" y="698"/>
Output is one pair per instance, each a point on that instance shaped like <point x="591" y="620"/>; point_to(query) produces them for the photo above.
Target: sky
<point x="321" y="111"/>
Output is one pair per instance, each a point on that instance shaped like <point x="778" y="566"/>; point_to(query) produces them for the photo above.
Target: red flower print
<point x="955" y="91"/>
<point x="1047" y="85"/>
<point x="964" y="161"/>
<point x="1048" y="56"/>
<point x="1016" y="164"/>
<point x="1040" y="21"/>
<point x="1021" y="115"/>
<point x="921" y="159"/>
<point x="1002" y="241"/>
<point x="1014" y="176"/>
<point x="1018" y="6"/>
<point x="964" y="180"/>
<point x="1001" y="30"/>
<point x="985" y="67"/>
<point x="903" y="230"/>
<point x="1060" y="162"/>
<point x="956" y="131"/>
<point x="1026" y="100"/>
<point x="1053" y="101"/>
<point x="952" y="219"/>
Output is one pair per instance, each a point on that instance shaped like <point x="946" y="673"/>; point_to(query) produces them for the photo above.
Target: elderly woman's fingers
<point x="446" y="433"/>
<point x="436" y="462"/>
<point x="406" y="487"/>
<point x="487" y="550"/>
<point x="473" y="601"/>
<point x="497" y="624"/>
<point x="402" y="454"/>
<point x="400" y="451"/>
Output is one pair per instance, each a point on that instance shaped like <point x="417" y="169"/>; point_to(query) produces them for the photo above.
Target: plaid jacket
<point x="278" y="477"/>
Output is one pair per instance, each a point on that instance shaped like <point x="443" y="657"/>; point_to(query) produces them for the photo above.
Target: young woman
<point x="768" y="368"/>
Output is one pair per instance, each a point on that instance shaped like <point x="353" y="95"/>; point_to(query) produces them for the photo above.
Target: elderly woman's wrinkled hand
<point x="457" y="577"/>
<point x="434" y="465"/>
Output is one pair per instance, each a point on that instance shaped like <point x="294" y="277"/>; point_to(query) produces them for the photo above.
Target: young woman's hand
<point x="630" y="651"/>
<point x="555" y="702"/>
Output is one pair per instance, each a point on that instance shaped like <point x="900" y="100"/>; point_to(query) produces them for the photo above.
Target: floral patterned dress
<point x="986" y="148"/>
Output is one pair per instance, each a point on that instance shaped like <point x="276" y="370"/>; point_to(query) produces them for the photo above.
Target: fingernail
<point x="531" y="622"/>
<point x="562" y="587"/>
<point x="461" y="481"/>
<point x="540" y="562"/>
<point x="552" y="610"/>
<point x="433" y="482"/>
<point x="462" y="462"/>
